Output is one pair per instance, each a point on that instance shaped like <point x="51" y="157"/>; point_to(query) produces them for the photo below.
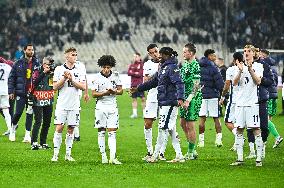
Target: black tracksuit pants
<point x="42" y="116"/>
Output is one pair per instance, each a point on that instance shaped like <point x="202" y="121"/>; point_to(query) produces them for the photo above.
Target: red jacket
<point x="135" y="70"/>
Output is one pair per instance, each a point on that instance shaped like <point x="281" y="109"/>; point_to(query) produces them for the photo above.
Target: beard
<point x="29" y="55"/>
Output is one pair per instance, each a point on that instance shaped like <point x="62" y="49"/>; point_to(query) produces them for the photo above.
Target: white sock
<point x="219" y="136"/>
<point x="162" y="136"/>
<point x="57" y="140"/>
<point x="101" y="141"/>
<point x="7" y="117"/>
<point x="28" y="133"/>
<point x="201" y="137"/>
<point x="259" y="147"/>
<point x="176" y="143"/>
<point x="76" y="131"/>
<point x="112" y="144"/>
<point x="69" y="143"/>
<point x="251" y="147"/>
<point x="148" y="139"/>
<point x="164" y="145"/>
<point x="239" y="140"/>
<point x="134" y="112"/>
<point x="234" y="131"/>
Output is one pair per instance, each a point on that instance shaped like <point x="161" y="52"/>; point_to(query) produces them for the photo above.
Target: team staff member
<point x="19" y="84"/>
<point x="135" y="70"/>
<point x="43" y="99"/>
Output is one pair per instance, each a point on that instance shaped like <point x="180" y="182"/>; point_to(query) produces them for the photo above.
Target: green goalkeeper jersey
<point x="190" y="71"/>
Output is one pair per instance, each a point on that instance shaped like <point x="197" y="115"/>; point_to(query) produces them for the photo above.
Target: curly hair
<point x="168" y="51"/>
<point x="107" y="60"/>
<point x="208" y="52"/>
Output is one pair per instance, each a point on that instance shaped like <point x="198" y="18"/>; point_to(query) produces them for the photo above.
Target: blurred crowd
<point x="201" y="21"/>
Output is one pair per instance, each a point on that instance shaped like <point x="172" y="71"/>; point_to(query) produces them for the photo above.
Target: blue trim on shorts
<point x="168" y="117"/>
<point x="230" y="103"/>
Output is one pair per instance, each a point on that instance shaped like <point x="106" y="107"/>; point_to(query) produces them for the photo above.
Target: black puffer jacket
<point x="272" y="89"/>
<point x="211" y="79"/>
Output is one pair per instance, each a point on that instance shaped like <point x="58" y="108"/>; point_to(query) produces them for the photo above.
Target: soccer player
<point x="212" y="83"/>
<point x="229" y="87"/>
<point x="170" y="96"/>
<point x="190" y="73"/>
<point x="68" y="79"/>
<point x="105" y="86"/>
<point x="248" y="78"/>
<point x="86" y="99"/>
<point x="151" y="109"/>
<point x="135" y="71"/>
<point x="5" y="70"/>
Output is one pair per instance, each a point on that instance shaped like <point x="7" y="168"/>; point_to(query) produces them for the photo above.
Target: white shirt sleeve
<point x="147" y="68"/>
<point x="94" y="84"/>
<point x="56" y="76"/>
<point x="229" y="75"/>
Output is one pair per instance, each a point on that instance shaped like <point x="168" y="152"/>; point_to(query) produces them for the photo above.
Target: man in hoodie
<point x="135" y="70"/>
<point x="212" y="83"/>
<point x="170" y="95"/>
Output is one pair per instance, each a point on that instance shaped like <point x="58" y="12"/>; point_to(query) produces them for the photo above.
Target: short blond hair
<point x="70" y="49"/>
<point x="250" y="47"/>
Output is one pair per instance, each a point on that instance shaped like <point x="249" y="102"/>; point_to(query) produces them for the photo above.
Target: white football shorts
<point x="69" y="117"/>
<point x="230" y="113"/>
<point x="247" y="116"/>
<point x="151" y="110"/>
<point x="209" y="108"/>
<point x="168" y="117"/>
<point x="4" y="101"/>
<point x="107" y="117"/>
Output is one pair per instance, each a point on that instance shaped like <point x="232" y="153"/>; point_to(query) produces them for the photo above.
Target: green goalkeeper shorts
<point x="192" y="112"/>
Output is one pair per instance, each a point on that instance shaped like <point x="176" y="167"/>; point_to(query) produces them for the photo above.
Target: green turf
<point x="22" y="167"/>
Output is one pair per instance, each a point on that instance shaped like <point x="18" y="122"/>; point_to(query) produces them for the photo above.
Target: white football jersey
<point x="83" y="68"/>
<point x="5" y="70"/>
<point x="230" y="75"/>
<point x="248" y="90"/>
<point x="101" y="83"/>
<point x="69" y="96"/>
<point x="150" y="68"/>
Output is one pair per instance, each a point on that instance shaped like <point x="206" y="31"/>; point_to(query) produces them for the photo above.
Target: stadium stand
<point x="121" y="27"/>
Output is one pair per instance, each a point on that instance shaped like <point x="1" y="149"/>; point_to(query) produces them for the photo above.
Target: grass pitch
<point x="22" y="167"/>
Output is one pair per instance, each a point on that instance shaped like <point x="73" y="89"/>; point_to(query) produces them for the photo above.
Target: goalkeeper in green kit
<point x="189" y="112"/>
